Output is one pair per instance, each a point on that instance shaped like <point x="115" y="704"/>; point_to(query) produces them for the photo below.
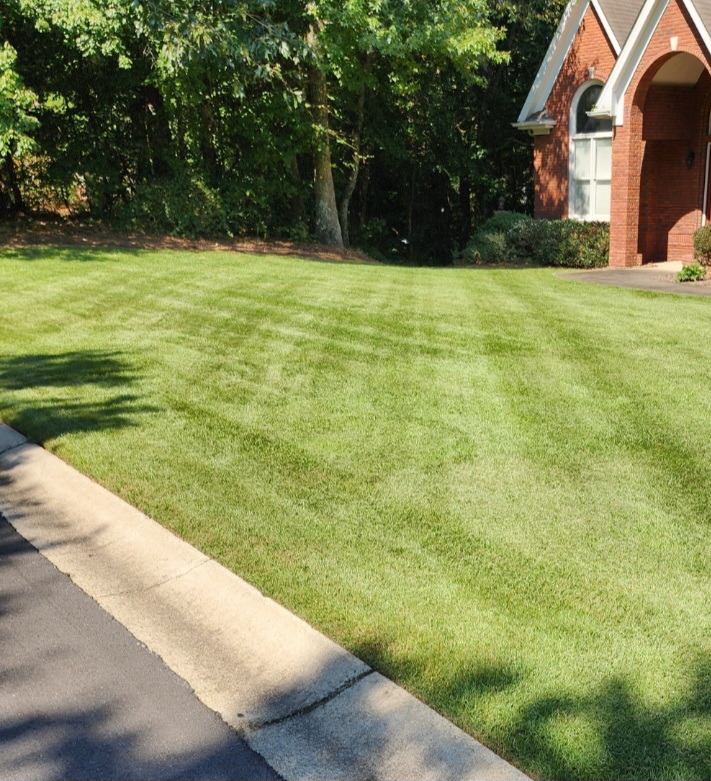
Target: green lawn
<point x="492" y="485"/>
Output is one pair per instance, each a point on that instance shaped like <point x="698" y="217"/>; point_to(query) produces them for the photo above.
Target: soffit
<point x="682" y="70"/>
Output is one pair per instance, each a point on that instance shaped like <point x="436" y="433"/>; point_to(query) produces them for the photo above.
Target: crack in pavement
<point x="350" y="683"/>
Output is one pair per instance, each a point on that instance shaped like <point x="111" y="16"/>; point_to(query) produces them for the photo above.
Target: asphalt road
<point x="81" y="698"/>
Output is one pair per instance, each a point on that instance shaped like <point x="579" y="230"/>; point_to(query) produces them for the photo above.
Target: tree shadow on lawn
<point x="626" y="737"/>
<point x="108" y="369"/>
<point x="634" y="739"/>
<point x="50" y="417"/>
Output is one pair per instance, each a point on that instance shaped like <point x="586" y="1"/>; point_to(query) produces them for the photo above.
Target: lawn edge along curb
<point x="309" y="707"/>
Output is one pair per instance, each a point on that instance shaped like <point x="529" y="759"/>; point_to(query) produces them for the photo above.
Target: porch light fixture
<point x="690" y="158"/>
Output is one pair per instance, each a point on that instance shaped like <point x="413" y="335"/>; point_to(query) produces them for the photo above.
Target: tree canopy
<point x="385" y="123"/>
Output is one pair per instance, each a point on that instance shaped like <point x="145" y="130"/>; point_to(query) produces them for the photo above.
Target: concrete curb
<point x="309" y="707"/>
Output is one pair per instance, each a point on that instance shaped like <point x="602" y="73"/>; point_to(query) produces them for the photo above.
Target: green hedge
<point x="489" y="245"/>
<point x="702" y="245"/>
<point x="185" y="205"/>
<point x="567" y="243"/>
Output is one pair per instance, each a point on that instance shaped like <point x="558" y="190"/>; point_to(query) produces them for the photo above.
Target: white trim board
<point x="612" y="99"/>
<point x="558" y="51"/>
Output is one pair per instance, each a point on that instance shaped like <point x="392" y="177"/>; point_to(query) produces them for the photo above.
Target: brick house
<point x="620" y="111"/>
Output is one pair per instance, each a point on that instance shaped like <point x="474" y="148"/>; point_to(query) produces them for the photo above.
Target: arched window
<point x="590" y="157"/>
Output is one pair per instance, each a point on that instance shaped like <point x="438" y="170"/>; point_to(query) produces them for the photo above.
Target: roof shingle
<point x="622" y="14"/>
<point x="703" y="7"/>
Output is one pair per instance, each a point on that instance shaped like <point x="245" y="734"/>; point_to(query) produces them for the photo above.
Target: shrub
<point x="184" y="204"/>
<point x="702" y="246"/>
<point x="587" y="244"/>
<point x="180" y="206"/>
<point x="515" y="238"/>
<point x="489" y="245"/>
<point x="526" y="238"/>
<point x="489" y="249"/>
<point x="694" y="272"/>
<point x="566" y="243"/>
<point x="502" y="222"/>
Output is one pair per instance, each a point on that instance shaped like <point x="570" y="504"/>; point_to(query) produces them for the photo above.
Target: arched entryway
<point x="673" y="99"/>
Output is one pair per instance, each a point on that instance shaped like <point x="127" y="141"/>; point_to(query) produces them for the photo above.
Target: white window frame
<point x="593" y="139"/>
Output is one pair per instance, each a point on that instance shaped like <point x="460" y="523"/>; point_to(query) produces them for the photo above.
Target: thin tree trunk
<point x="364" y="186"/>
<point x="411" y="212"/>
<point x="465" y="205"/>
<point x="328" y="228"/>
<point x="17" y="202"/>
<point x="353" y="179"/>
<point x="209" y="153"/>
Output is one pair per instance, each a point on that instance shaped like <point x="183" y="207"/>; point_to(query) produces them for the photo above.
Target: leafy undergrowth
<point x="489" y="484"/>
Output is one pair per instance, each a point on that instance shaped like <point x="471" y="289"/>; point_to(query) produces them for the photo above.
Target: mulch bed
<point x="23" y="234"/>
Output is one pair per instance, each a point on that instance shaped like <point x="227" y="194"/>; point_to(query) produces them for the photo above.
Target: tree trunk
<point x="209" y="153"/>
<point x="411" y="212"/>
<point x="364" y="186"/>
<point x="353" y="179"/>
<point x="465" y="206"/>
<point x="328" y="228"/>
<point x="16" y="201"/>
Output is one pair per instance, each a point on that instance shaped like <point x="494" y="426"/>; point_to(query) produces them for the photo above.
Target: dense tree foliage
<point x="385" y="123"/>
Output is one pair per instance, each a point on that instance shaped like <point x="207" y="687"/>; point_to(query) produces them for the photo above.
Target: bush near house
<point x="702" y="246"/>
<point x="489" y="246"/>
<point x="515" y="238"/>
<point x="567" y="243"/>
<point x="694" y="272"/>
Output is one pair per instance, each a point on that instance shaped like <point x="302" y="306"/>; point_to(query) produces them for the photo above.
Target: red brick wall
<point x="671" y="193"/>
<point x="656" y="200"/>
<point x="670" y="113"/>
<point x="590" y="49"/>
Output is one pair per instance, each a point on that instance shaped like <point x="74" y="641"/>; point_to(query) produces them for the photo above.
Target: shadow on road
<point x="80" y="698"/>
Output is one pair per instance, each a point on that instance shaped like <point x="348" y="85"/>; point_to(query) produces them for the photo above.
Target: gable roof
<point x="617" y="18"/>
<point x="629" y="26"/>
<point x="704" y="9"/>
<point x="611" y="103"/>
<point x="621" y="15"/>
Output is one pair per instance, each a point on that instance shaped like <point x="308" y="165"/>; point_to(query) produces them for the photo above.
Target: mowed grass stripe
<point x="490" y="484"/>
